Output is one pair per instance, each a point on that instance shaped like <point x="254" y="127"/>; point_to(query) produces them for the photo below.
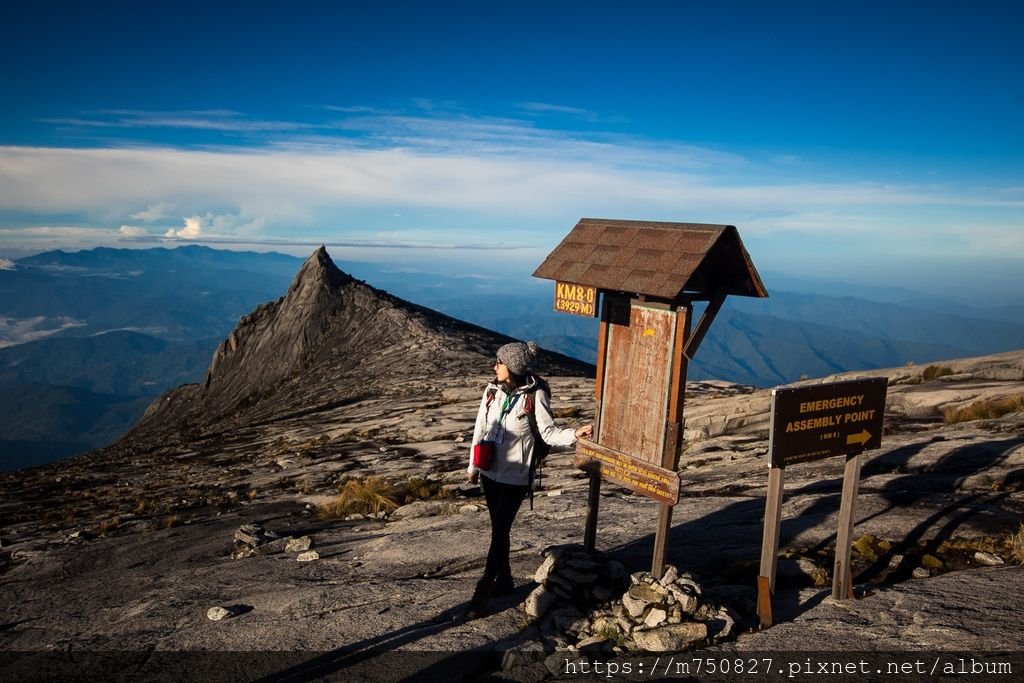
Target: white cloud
<point x="154" y="212"/>
<point x="369" y="172"/>
<point x="193" y="228"/>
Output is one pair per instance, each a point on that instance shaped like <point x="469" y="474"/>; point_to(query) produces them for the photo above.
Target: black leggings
<point x="503" y="501"/>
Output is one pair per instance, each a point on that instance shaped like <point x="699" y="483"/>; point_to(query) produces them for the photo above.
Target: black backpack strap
<point x="529" y="407"/>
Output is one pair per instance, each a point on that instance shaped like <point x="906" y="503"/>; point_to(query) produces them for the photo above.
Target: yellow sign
<point x="576" y="299"/>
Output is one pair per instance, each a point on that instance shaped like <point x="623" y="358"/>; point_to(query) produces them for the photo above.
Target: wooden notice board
<point x="638" y="366"/>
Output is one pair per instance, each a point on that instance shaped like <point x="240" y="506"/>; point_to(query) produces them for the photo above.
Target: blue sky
<point x="869" y="141"/>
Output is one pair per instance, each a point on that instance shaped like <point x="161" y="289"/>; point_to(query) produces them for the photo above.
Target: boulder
<point x="299" y="545"/>
<point x="671" y="638"/>
<point x="539" y="602"/>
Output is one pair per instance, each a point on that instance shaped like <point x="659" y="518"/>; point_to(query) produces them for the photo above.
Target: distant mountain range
<point x="88" y="339"/>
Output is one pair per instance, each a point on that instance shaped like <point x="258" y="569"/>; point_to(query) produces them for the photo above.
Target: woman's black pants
<point x="503" y="501"/>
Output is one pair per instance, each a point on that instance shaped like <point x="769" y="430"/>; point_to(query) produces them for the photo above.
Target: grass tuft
<point x="372" y="495"/>
<point x="1015" y="545"/>
<point x="369" y="495"/>
<point x="986" y="409"/>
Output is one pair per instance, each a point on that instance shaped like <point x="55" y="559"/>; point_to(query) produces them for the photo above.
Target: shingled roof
<point x="663" y="260"/>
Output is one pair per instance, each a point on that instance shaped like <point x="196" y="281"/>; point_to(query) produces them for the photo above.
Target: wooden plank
<point x="704" y="324"/>
<point x="772" y="525"/>
<point x="680" y="364"/>
<point x="677" y="392"/>
<point x="635" y="393"/>
<point x="623" y="469"/>
<point x="602" y="350"/>
<point x="842" y="577"/>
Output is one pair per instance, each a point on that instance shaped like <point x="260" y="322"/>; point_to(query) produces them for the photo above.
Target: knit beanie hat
<point x="517" y="356"/>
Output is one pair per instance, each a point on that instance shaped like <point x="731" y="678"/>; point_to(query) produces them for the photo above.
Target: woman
<point x="504" y="420"/>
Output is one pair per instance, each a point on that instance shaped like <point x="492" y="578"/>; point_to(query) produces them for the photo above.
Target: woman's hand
<point x="585" y="432"/>
<point x="472" y="477"/>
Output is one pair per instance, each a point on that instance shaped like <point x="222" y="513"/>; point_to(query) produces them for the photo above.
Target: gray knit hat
<point x="517" y="356"/>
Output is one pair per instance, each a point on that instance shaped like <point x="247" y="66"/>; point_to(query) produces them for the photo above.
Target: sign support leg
<point x="661" y="540"/>
<point x="593" y="500"/>
<point x="842" y="577"/>
<point x="770" y="544"/>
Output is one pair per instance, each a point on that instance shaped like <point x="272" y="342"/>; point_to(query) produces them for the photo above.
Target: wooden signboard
<point x="819" y="421"/>
<point x="644" y="278"/>
<point x="654" y="482"/>
<point x="637" y="363"/>
<point x="811" y="423"/>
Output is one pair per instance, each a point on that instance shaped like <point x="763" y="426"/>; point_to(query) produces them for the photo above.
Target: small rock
<point x="299" y="545"/>
<point x="645" y="593"/>
<point x="539" y="602"/>
<point x="671" y="638"/>
<point x="308" y="556"/>
<point x="633" y="606"/>
<point x="279" y="545"/>
<point x="921" y="573"/>
<point x="988" y="559"/>
<point x="616" y="570"/>
<point x="655" y="617"/>
<point x="931" y="562"/>
<point x="218" y="613"/>
<point x="541" y="575"/>
<point x="469" y="509"/>
<point x="420" y="508"/>
<point x="555" y="492"/>
<point x="895" y="561"/>
<point x="670" y="575"/>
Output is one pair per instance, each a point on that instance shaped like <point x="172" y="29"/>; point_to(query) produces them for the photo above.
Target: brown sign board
<point x="576" y="299"/>
<point x="637" y="378"/>
<point x="635" y="474"/>
<point x="819" y="421"/>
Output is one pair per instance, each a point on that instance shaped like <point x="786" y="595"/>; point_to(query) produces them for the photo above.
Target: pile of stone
<point x="585" y="602"/>
<point x="253" y="539"/>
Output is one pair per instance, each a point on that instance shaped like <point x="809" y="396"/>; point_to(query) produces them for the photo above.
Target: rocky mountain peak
<point x="317" y="274"/>
<point x="328" y="339"/>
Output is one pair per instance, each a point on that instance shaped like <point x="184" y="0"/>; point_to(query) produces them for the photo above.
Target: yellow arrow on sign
<point x="861" y="437"/>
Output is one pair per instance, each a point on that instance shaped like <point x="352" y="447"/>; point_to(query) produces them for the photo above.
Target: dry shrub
<point x="362" y="496"/>
<point x="420" y="489"/>
<point x="108" y="525"/>
<point x="986" y="409"/>
<point x="1015" y="545"/>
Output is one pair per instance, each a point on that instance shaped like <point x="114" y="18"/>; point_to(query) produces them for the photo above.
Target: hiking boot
<point x="478" y="603"/>
<point x="503" y="585"/>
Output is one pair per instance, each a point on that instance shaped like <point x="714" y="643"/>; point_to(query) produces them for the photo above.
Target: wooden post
<point x="602" y="351"/>
<point x="593" y="501"/>
<point x="770" y="545"/>
<point x="764" y="602"/>
<point x="772" y="525"/>
<point x="842" y="578"/>
<point x="673" y="433"/>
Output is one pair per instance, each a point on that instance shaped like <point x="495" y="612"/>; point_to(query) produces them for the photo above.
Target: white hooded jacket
<point x="506" y="423"/>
